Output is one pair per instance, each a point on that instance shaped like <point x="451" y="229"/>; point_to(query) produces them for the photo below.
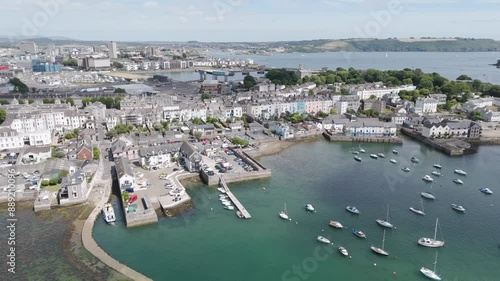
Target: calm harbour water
<point x="449" y="65"/>
<point x="209" y="243"/>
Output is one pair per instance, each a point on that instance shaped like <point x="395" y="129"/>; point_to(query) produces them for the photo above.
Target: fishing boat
<point x="343" y="251"/>
<point x="394" y="151"/>
<point x="385" y="223"/>
<point x="427" y="178"/>
<point x="374" y="156"/>
<point x="458" y="181"/>
<point x="359" y="233"/>
<point x="486" y="190"/>
<point x="357" y="158"/>
<point x="336" y="224"/>
<point x="309" y="208"/>
<point x="418" y="211"/>
<point x="284" y="214"/>
<point x="436" y="173"/>
<point x="221" y="190"/>
<point x="414" y="160"/>
<point x="393" y="161"/>
<point x="230" y="207"/>
<point x="405" y="169"/>
<point x="323" y="240"/>
<point x="381" y="155"/>
<point x="431" y="242"/>
<point x="431" y="274"/>
<point x="108" y="213"/>
<point x="428" y="195"/>
<point x="437" y="166"/>
<point x="380" y="251"/>
<point x="353" y="210"/>
<point x="458" y="208"/>
<point x="460" y="172"/>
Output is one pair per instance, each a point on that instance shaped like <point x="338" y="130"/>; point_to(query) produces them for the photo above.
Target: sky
<point x="248" y="20"/>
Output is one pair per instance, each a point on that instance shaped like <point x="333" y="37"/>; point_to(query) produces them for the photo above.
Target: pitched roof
<point x="122" y="166"/>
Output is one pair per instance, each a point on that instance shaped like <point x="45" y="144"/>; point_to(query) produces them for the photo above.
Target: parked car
<point x="129" y="190"/>
<point x="132" y="198"/>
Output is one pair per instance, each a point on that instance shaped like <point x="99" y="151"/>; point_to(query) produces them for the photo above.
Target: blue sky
<point x="249" y="20"/>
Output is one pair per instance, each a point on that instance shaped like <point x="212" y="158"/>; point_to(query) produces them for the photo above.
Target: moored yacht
<point x="458" y="181"/>
<point x="394" y="151"/>
<point x="343" y="251"/>
<point x="385" y="223"/>
<point x="431" y="274"/>
<point x="431" y="242"/>
<point x="414" y="159"/>
<point x="357" y="158"/>
<point x="486" y="190"/>
<point x="359" y="233"/>
<point x="458" y="208"/>
<point x="427" y="178"/>
<point x="417" y="211"/>
<point x="335" y="224"/>
<point x="309" y="208"/>
<point x="428" y="195"/>
<point x="323" y="240"/>
<point x="361" y="150"/>
<point x="381" y="155"/>
<point x="405" y="169"/>
<point x="460" y="172"/>
<point x="353" y="210"/>
<point x="108" y="213"/>
<point x="436" y="173"/>
<point x="284" y="214"/>
<point x="393" y="161"/>
<point x="380" y="251"/>
<point x="437" y="166"/>
<point x="374" y="156"/>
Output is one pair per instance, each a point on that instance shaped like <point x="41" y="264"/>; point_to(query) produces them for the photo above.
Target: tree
<point x="373" y="97"/>
<point x="322" y="114"/>
<point x="198" y="135"/>
<point x="229" y="121"/>
<point x="125" y="196"/>
<point x="53" y="182"/>
<point x="249" y="82"/>
<point x="311" y="92"/>
<point x="184" y="55"/>
<point x="240" y="141"/>
<point x="19" y="86"/>
<point x="45" y="183"/>
<point x="3" y="115"/>
<point x="21" y="101"/>
<point x="120" y="91"/>
<point x="69" y="136"/>
<point x="96" y="152"/>
<point x="464" y="77"/>
<point x="206" y="96"/>
<point x="48" y="101"/>
<point x="70" y="101"/>
<point x="30" y="101"/>
<point x="212" y="120"/>
<point x="111" y="134"/>
<point x="197" y="121"/>
<point x="70" y="62"/>
<point x="333" y="111"/>
<point x="63" y="174"/>
<point x="4" y="102"/>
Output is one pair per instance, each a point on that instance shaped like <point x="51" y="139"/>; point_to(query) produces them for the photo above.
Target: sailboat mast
<point x="383" y="240"/>
<point x="436" y="229"/>
<point x="435" y="261"/>
<point x="387" y="218"/>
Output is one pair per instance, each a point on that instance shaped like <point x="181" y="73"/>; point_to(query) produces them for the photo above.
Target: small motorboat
<point x="359" y="233"/>
<point x="381" y="155"/>
<point x="417" y="211"/>
<point x="309" y="208"/>
<point x="414" y="160"/>
<point x="357" y="158"/>
<point x="436" y="173"/>
<point x="486" y="190"/>
<point x="221" y="190"/>
<point x="229" y="207"/>
<point x="226" y="203"/>
<point x="437" y="166"/>
<point x="108" y="213"/>
<point x="428" y="195"/>
<point x="393" y="161"/>
<point x="361" y="150"/>
<point x="353" y="210"/>
<point x="323" y="240"/>
<point x="460" y="172"/>
<point x="374" y="156"/>
<point x="458" y="208"/>
<point x="343" y="251"/>
<point x="427" y="178"/>
<point x="395" y="151"/>
<point x="336" y="224"/>
<point x="458" y="181"/>
<point x="405" y="169"/>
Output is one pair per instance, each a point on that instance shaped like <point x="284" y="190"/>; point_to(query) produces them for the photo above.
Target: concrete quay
<point x="342" y="138"/>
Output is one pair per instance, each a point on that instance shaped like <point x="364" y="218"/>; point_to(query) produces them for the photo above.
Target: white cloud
<point x="150" y="4"/>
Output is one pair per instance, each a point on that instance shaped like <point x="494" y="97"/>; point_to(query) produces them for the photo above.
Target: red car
<point x="132" y="198"/>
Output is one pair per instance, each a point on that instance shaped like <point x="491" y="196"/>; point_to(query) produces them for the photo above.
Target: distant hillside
<point x="396" y="45"/>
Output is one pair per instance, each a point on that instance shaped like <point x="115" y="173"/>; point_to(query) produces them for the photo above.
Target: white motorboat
<point x="336" y="224"/>
<point x="343" y="251"/>
<point x="353" y="210"/>
<point x="460" y="172"/>
<point x="405" y="169"/>
<point x="374" y="156"/>
<point x="226" y="203"/>
<point x="309" y="208"/>
<point x="284" y="214"/>
<point x="385" y="223"/>
<point x="395" y="151"/>
<point x="486" y="190"/>
<point x="381" y="155"/>
<point x="437" y="166"/>
<point x="221" y="190"/>
<point x="427" y="178"/>
<point x="323" y="240"/>
<point x="458" y="208"/>
<point x="361" y="150"/>
<point x="428" y="195"/>
<point x="458" y="181"/>
<point x="436" y="173"/>
<point x="431" y="242"/>
<point x="431" y="274"/>
<point x="380" y="251"/>
<point x="229" y="207"/>
<point x="357" y="158"/>
<point x="393" y="161"/>
<point x="108" y="213"/>
<point x="414" y="160"/>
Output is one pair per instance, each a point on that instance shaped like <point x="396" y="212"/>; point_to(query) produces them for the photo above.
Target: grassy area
<point x="53" y="188"/>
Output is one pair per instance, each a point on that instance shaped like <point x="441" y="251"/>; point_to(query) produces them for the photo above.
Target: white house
<point x="10" y="139"/>
<point x="426" y="105"/>
<point x="36" y="154"/>
<point x="284" y="130"/>
<point x="125" y="174"/>
<point x="370" y="127"/>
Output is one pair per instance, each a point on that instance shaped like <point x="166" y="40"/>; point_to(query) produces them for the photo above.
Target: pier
<point x="236" y="202"/>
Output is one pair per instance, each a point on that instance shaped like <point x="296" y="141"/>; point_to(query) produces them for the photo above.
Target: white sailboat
<point x="284" y="214"/>
<point x="418" y="211"/>
<point x="380" y="251"/>
<point x="431" y="242"/>
<point x="385" y="223"/>
<point x="431" y="274"/>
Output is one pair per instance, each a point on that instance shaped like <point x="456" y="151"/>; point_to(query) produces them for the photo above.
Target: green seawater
<point x="210" y="243"/>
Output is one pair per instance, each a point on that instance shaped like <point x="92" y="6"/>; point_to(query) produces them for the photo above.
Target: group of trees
<point x="240" y="141"/>
<point x="97" y="152"/>
<point x="72" y="135"/>
<point x="107" y="101"/>
<point x="249" y="82"/>
<point x="19" y="86"/>
<point x="119" y="129"/>
<point x="70" y="62"/>
<point x="3" y="115"/>
<point x="282" y="77"/>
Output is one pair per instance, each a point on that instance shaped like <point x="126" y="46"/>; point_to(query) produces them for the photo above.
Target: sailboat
<point x="380" y="251"/>
<point x="385" y="223"/>
<point x="284" y="214"/>
<point x="428" y="195"/>
<point x="430" y="242"/>
<point x="431" y="274"/>
<point x="418" y="211"/>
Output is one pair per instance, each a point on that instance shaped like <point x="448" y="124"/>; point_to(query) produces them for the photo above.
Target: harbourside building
<point x="74" y="188"/>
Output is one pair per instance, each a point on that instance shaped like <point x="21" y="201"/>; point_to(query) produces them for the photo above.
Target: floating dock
<point x="244" y="213"/>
